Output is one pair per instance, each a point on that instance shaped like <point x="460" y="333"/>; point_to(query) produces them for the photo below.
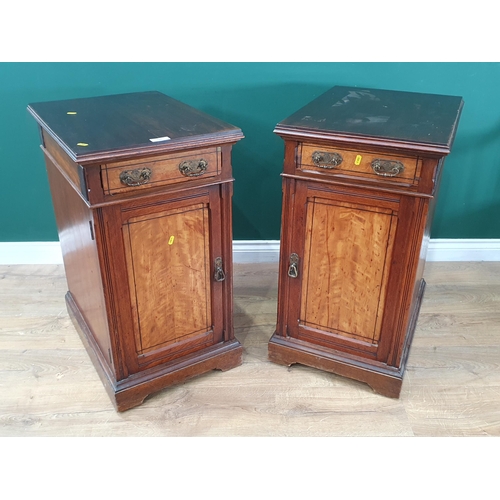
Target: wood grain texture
<point x="364" y="251"/>
<point x="169" y="264"/>
<point x="345" y="272"/>
<point x="49" y="387"/>
<point x="77" y="231"/>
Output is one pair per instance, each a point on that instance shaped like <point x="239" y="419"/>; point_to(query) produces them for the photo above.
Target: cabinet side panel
<point x="72" y="171"/>
<point x="75" y="225"/>
<point x="226" y="193"/>
<point x="436" y="168"/>
<point x="404" y="285"/>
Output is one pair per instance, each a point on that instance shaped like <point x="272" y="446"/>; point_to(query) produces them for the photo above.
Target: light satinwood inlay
<point x="345" y="271"/>
<point x="169" y="269"/>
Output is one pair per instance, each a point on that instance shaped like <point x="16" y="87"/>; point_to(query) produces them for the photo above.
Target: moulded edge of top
<point x="191" y="142"/>
<point x="289" y="132"/>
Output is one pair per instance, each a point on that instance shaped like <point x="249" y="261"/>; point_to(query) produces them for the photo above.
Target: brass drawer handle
<point x="219" y="272"/>
<point x="193" y="168"/>
<point x="323" y="159"/>
<point x="136" y="177"/>
<point x="387" y="168"/>
<point x="293" y="270"/>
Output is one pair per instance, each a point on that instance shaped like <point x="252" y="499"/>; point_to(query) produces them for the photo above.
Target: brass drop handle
<point x="293" y="269"/>
<point x="193" y="168"/>
<point x="387" y="168"/>
<point x="219" y="272"/>
<point x="323" y="159"/>
<point x="136" y="177"/>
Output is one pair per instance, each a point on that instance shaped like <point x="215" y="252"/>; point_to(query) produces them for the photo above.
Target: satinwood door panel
<point x="170" y="251"/>
<point x="339" y="295"/>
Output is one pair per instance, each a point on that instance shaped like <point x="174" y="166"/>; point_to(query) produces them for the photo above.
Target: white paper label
<point x="159" y="139"/>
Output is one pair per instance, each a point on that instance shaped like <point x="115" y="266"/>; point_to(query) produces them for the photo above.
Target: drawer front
<point x="146" y="173"/>
<point x="370" y="165"/>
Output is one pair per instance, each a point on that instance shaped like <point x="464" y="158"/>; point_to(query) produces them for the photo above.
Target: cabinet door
<point x="170" y="249"/>
<point x="344" y="242"/>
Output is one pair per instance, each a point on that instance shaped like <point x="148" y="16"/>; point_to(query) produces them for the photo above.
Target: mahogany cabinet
<point x="362" y="169"/>
<point x="141" y="187"/>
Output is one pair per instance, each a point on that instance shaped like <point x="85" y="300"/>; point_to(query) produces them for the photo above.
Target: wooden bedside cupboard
<point x="141" y="186"/>
<point x="361" y="173"/>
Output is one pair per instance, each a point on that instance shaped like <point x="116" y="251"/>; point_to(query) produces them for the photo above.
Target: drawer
<point x="370" y="165"/>
<point x="145" y="173"/>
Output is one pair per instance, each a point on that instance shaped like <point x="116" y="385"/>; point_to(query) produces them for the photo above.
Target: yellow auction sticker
<point x="71" y="113"/>
<point x="358" y="159"/>
<point x="82" y="144"/>
<point x="171" y="240"/>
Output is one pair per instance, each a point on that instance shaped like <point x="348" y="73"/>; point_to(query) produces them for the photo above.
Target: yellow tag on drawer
<point x="358" y="159"/>
<point x="171" y="240"/>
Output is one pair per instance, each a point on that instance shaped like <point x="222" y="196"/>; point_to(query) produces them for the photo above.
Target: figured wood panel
<point x="168" y="262"/>
<point x="346" y="255"/>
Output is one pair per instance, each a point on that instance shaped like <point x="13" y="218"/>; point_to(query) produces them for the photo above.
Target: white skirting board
<point x="438" y="250"/>
<point x="255" y="251"/>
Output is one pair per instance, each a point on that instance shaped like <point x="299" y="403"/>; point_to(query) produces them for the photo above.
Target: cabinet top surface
<point x="381" y="115"/>
<point x="96" y="127"/>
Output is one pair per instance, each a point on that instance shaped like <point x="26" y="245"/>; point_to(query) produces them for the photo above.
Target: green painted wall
<point x="254" y="96"/>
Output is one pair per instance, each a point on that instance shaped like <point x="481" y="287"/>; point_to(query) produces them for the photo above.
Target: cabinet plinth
<point x="142" y="187"/>
<point x="362" y="168"/>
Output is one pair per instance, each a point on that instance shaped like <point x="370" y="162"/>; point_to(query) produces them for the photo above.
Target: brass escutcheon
<point x="293" y="269"/>
<point x="219" y="272"/>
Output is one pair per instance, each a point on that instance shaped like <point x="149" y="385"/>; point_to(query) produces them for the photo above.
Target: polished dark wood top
<point x="95" y="128"/>
<point x="426" y="121"/>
